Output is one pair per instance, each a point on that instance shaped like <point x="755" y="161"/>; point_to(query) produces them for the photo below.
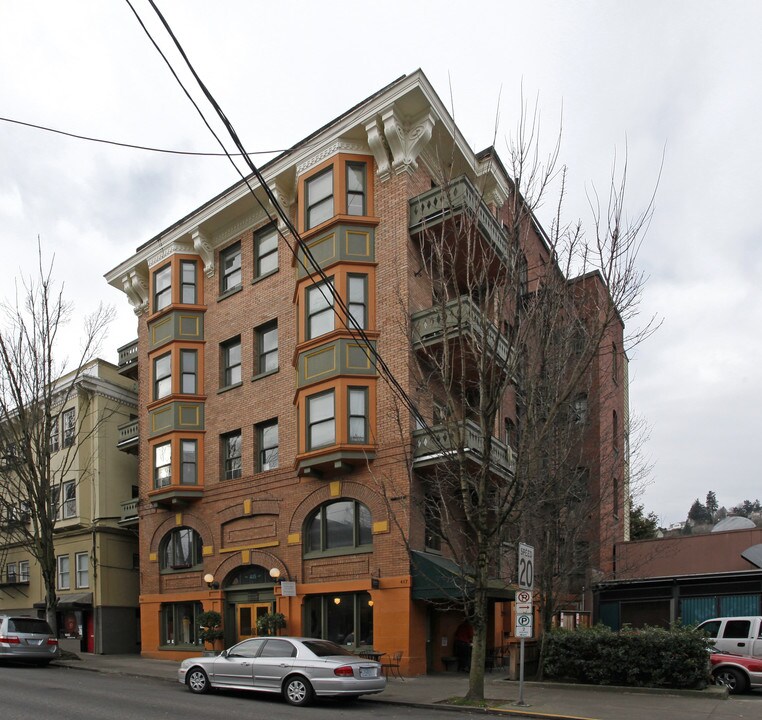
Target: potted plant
<point x="210" y="629"/>
<point x="270" y="623"/>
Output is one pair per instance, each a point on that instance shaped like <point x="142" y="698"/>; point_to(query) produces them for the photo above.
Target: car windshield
<point x="325" y="648"/>
<point x="29" y="625"/>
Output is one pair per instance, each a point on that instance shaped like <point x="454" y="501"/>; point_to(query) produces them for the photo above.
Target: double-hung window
<point x="81" y="562"/>
<point x="266" y="251"/>
<point x="55" y="436"/>
<point x="357" y="292"/>
<point x="231" y="362"/>
<point x="321" y="420"/>
<point x="188" y="372"/>
<point x="162" y="288"/>
<point x="320" y="309"/>
<point x="63" y="572"/>
<point x="358" y="415"/>
<point x="24" y="571"/>
<point x="267" y="347"/>
<point x="162" y="376"/>
<point x="69" y="505"/>
<point x="230" y="263"/>
<point x="319" y="198"/>
<point x="189" y="454"/>
<point x="267" y="442"/>
<point x="188" y="291"/>
<point x="231" y="455"/>
<point x="356" y="189"/>
<point x="162" y="465"/>
<point x="68" y="427"/>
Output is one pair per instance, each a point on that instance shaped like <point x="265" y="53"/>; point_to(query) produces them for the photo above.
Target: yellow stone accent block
<point x="246" y="557"/>
<point x="382" y="526"/>
<point x="294" y="538"/>
<point x="153" y="557"/>
<point x="247" y="507"/>
<point x="207" y="550"/>
<point x="336" y="488"/>
<point x="178" y="518"/>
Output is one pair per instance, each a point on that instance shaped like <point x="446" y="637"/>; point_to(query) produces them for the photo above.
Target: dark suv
<point x="27" y="639"/>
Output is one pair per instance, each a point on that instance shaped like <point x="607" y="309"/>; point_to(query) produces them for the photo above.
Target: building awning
<point x="71" y="601"/>
<point x="437" y="578"/>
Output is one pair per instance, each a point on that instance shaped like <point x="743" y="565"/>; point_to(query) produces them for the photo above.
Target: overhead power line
<point x="133" y="146"/>
<point x="325" y="286"/>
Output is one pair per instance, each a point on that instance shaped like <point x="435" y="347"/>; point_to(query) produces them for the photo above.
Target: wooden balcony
<point x="439" y="446"/>
<point x="460" y="316"/>
<point x="129" y="516"/>
<point x="430" y="210"/>
<point x="128" y="436"/>
<point x="128" y="359"/>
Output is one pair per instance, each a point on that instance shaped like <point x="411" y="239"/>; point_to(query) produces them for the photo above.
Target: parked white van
<point x="737" y="635"/>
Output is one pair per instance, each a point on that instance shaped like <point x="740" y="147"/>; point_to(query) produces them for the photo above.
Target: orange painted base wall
<point x="399" y="623"/>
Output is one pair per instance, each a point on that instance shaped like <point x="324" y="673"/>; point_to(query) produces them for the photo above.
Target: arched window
<point x="181" y="549"/>
<point x="338" y="527"/>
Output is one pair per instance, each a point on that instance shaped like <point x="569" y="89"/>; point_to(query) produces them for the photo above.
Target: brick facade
<point x="260" y="518"/>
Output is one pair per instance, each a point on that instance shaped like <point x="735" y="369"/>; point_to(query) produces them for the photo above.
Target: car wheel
<point x="197" y="680"/>
<point x="733" y="680"/>
<point x="297" y="691"/>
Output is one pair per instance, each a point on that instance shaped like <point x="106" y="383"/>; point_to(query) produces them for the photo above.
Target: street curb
<point x="105" y="671"/>
<point x="710" y="692"/>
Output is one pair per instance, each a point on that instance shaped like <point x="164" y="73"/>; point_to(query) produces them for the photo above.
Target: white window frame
<point x="63" y="572"/>
<point x="82" y="574"/>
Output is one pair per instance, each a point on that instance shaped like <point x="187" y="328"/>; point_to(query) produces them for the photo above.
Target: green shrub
<point x="647" y="657"/>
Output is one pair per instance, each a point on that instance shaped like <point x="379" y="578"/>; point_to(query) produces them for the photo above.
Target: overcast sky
<point x="678" y="80"/>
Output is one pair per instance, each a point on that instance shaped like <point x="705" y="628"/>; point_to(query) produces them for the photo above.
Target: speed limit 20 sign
<point x="526" y="567"/>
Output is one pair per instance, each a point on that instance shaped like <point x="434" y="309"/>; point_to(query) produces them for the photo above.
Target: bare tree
<point x="503" y="356"/>
<point x="35" y="383"/>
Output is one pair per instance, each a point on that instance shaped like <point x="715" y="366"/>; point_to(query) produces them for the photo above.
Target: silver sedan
<point x="298" y="668"/>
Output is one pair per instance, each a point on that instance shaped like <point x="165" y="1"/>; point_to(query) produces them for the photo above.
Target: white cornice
<point x="165" y="250"/>
<point x="335" y="147"/>
<point x="306" y="156"/>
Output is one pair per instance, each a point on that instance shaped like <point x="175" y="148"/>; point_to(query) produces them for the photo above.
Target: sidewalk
<point x="543" y="699"/>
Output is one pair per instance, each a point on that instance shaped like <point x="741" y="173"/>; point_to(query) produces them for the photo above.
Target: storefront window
<point x="344" y="618"/>
<point x="179" y="625"/>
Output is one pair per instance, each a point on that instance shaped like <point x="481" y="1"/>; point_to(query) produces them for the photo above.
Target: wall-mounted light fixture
<point x="337" y="601"/>
<point x="370" y="603"/>
<point x="211" y="583"/>
<point x="275" y="574"/>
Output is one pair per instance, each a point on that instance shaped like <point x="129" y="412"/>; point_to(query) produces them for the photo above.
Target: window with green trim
<point x="338" y="525"/>
<point x="319" y="198"/>
<point x="162" y="288"/>
<point x="266" y="251"/>
<point x="356" y="189"/>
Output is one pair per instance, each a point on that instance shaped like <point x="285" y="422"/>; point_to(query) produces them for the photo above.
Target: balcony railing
<point x="441" y="203"/>
<point x="438" y="445"/>
<point x="127" y="434"/>
<point x="459" y="316"/>
<point x="128" y="357"/>
<point x="129" y="512"/>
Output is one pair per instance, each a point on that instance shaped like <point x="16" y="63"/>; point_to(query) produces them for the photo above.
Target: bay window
<point x="321" y="420"/>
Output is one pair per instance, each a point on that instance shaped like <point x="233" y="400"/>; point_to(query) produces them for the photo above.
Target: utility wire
<point x="370" y="351"/>
<point x="131" y="146"/>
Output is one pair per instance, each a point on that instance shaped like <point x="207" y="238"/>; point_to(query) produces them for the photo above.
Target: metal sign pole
<point x="521" y="675"/>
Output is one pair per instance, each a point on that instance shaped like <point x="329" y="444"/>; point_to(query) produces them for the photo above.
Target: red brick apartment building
<point x="264" y="425"/>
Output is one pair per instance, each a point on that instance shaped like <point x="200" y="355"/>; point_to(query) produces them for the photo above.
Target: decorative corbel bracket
<point x="379" y="148"/>
<point x="204" y="249"/>
<point x="135" y="286"/>
<point x="285" y="194"/>
<point x="407" y="140"/>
